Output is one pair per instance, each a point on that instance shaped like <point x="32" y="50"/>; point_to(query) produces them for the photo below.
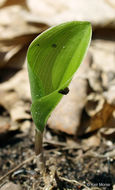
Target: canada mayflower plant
<point x="53" y="58"/>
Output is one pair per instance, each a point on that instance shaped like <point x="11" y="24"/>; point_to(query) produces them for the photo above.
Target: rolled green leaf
<point x="53" y="58"/>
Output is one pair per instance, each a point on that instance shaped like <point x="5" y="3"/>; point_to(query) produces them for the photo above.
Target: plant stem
<point x="38" y="141"/>
<point x="39" y="150"/>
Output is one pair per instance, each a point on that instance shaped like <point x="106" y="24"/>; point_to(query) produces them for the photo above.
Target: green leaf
<point x="53" y="58"/>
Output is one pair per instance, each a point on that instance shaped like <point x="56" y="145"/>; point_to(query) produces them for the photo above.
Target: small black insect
<point x="38" y="44"/>
<point x="54" y="45"/>
<point x="64" y="91"/>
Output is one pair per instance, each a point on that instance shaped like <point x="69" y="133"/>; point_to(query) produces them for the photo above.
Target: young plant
<point x="53" y="58"/>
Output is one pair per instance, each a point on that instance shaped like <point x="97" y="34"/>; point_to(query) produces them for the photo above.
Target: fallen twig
<point x="94" y="154"/>
<point x="70" y="181"/>
<point x="17" y="167"/>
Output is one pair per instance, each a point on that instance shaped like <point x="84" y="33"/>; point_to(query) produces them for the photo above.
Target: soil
<point x="72" y="165"/>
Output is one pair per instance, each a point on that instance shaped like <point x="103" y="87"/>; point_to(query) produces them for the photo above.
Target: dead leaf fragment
<point x="17" y="32"/>
<point x="101" y="118"/>
<point x="93" y="141"/>
<point x="94" y="104"/>
<point x="5" y="3"/>
<point x="108" y="133"/>
<point x="15" y="98"/>
<point x="62" y="11"/>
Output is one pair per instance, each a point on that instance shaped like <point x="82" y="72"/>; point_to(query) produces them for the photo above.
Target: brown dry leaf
<point x="101" y="118"/>
<point x="55" y="12"/>
<point x="111" y="122"/>
<point x="102" y="72"/>
<point x="5" y="3"/>
<point x="94" y="104"/>
<point x="13" y="19"/>
<point x="15" y="99"/>
<point x="101" y="77"/>
<point x="98" y="113"/>
<point x="16" y="35"/>
<point x="108" y="133"/>
<point x="15" y="96"/>
<point x="99" y="108"/>
<point x="19" y="27"/>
